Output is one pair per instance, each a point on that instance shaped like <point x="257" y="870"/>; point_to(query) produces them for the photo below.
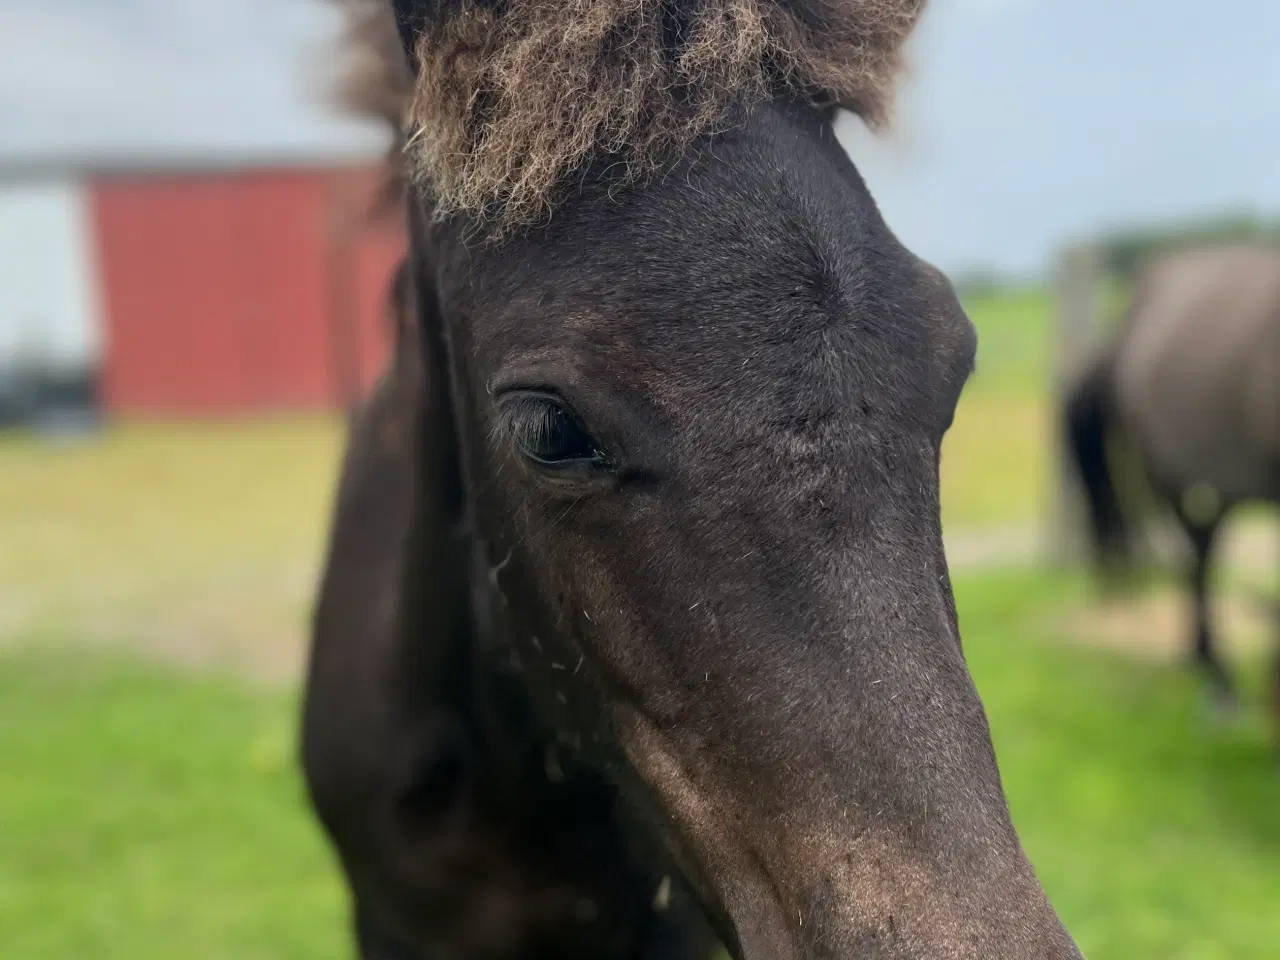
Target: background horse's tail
<point x="1091" y="423"/>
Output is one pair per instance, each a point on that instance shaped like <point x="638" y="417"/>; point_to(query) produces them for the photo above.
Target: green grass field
<point x="154" y="591"/>
<point x="197" y="541"/>
<point x="149" y="814"/>
<point x="996" y="466"/>
<point x="1155" y="833"/>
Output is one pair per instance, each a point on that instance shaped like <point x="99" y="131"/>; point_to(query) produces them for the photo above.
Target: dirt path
<point x="1251" y="547"/>
<point x="1152" y="624"/>
<point x="246" y="620"/>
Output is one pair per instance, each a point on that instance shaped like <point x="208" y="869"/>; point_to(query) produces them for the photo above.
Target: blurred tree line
<point x="1124" y="251"/>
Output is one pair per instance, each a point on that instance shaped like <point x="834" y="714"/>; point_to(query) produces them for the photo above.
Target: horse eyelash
<point x="538" y="426"/>
<point x="526" y="419"/>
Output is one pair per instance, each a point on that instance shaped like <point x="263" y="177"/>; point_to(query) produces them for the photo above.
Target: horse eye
<point x="551" y="436"/>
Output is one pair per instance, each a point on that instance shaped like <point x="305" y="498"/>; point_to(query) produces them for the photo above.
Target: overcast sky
<point x="1026" y="121"/>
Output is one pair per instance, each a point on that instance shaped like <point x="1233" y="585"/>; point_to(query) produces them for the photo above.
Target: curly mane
<point x="510" y="97"/>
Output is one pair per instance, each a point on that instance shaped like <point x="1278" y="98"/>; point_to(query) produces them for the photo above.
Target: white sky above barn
<point x="1026" y="121"/>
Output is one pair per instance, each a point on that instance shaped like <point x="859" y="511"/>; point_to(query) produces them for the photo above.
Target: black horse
<point x="1190" y="386"/>
<point x="636" y="623"/>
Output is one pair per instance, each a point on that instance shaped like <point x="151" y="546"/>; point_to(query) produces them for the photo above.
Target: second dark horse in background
<point x="1191" y="384"/>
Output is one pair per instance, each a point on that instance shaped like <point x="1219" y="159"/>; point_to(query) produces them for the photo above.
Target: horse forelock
<point x="509" y="99"/>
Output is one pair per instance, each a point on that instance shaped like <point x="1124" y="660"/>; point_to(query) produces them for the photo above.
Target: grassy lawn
<point x="193" y="540"/>
<point x="146" y="815"/>
<point x="995" y="460"/>
<point x="143" y="811"/>
<point x="1156" y="833"/>
<point x="148" y="811"/>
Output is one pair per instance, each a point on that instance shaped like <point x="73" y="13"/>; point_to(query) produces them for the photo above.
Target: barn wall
<point x="241" y="292"/>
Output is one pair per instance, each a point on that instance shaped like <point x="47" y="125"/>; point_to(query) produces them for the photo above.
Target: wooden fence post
<point x="1078" y="278"/>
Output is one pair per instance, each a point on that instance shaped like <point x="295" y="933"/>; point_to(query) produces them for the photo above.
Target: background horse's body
<point x="1192" y="382"/>
<point x="1197" y="372"/>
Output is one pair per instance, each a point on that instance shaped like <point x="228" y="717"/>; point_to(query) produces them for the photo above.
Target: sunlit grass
<point x="1015" y="342"/>
<point x="1155" y="831"/>
<point x="157" y="532"/>
<point x="146" y="815"/>
<point x="996" y="459"/>
<point x="995" y="463"/>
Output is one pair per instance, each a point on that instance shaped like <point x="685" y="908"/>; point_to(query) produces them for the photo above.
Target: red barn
<point x="211" y="291"/>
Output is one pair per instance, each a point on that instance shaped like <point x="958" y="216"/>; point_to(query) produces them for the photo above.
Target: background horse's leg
<point x="1202" y="531"/>
<point x="1275" y="681"/>
<point x="1275" y="700"/>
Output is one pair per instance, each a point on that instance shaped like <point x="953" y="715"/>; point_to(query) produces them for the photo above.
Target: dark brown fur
<point x="661" y="590"/>
<point x="534" y="869"/>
